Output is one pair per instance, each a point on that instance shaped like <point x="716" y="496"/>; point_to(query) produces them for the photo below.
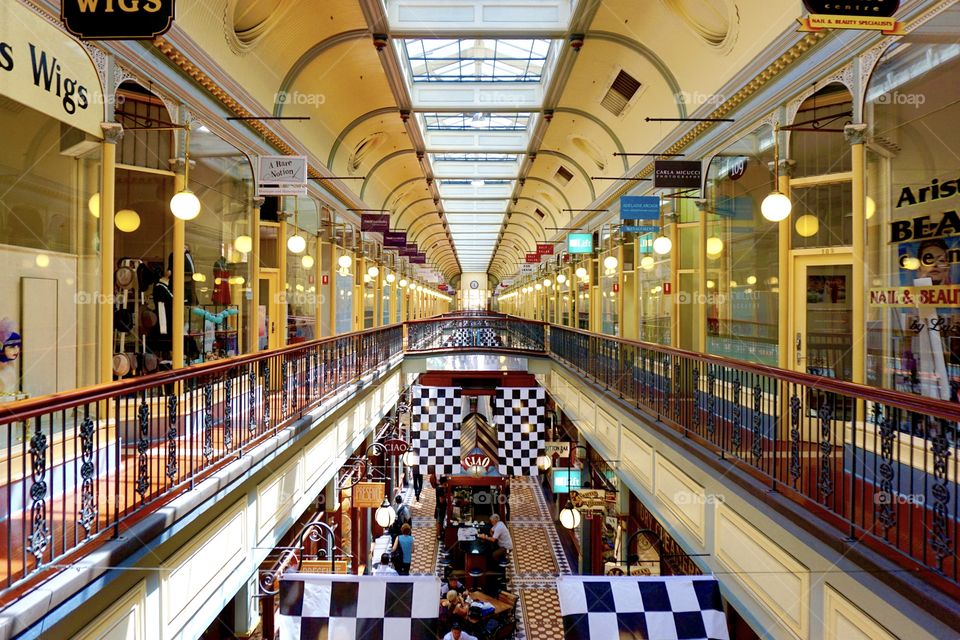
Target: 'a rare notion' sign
<point x="117" y="19"/>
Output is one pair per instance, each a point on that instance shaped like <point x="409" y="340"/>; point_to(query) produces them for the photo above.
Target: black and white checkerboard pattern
<point x="673" y="607"/>
<point x="474" y="338"/>
<point x="436" y="415"/>
<point x="363" y="607"/>
<point x="519" y="416"/>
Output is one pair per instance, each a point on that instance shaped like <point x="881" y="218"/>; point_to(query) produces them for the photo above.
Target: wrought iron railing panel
<point x="81" y="465"/>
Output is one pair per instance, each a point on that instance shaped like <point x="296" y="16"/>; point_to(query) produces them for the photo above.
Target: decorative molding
<point x="843" y="75"/>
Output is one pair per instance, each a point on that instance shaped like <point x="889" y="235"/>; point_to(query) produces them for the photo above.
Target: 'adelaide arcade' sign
<point x="117" y="19"/>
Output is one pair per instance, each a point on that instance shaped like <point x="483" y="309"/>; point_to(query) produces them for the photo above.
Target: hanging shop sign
<point x="871" y="15"/>
<point x="681" y="174"/>
<point x="579" y="243"/>
<point x="559" y="448"/>
<point x="410" y="249"/>
<point x="533" y="258"/>
<point x="375" y="222"/>
<point x="592" y="500"/>
<point x="48" y="71"/>
<point x="645" y="210"/>
<point x="418" y="258"/>
<point x="545" y="249"/>
<point x="368" y="494"/>
<point x="476" y="460"/>
<point x="282" y="176"/>
<point x="566" y="480"/>
<point x="526" y="269"/>
<point x="395" y="446"/>
<point x="117" y="19"/>
<point x="395" y="239"/>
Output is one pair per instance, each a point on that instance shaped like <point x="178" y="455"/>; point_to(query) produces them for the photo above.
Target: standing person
<point x="440" y="509"/>
<point x="403" y="516"/>
<point x="403" y="551"/>
<point x="417" y="482"/>
<point x="501" y="536"/>
<point x="384" y="568"/>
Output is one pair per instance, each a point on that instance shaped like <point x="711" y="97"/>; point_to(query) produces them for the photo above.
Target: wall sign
<point x="476" y="460"/>
<point x="682" y="174"/>
<point x="872" y="15"/>
<point x="558" y="447"/>
<point x="282" y="176"/>
<point x="375" y="222"/>
<point x="925" y="228"/>
<point x="50" y="72"/>
<point x="917" y="296"/>
<point x="579" y="243"/>
<point x="117" y="19"/>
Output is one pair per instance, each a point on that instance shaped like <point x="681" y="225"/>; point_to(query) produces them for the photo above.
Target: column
<point x="785" y="350"/>
<point x="179" y="243"/>
<point x="855" y="135"/>
<point x="253" y="322"/>
<point x="112" y="133"/>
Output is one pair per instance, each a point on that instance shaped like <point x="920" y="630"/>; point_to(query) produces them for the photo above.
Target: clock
<point x="474" y="284"/>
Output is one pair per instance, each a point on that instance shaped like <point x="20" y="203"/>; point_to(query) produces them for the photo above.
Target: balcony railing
<point x="881" y="466"/>
<point x="81" y="467"/>
<point x="476" y="331"/>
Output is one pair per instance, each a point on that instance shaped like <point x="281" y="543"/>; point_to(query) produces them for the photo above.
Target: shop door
<point x="272" y="313"/>
<point x="823" y="319"/>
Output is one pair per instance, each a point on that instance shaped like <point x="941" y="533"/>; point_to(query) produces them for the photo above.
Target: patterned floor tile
<point x="532" y="551"/>
<point x="541" y="614"/>
<point x="424" y="550"/>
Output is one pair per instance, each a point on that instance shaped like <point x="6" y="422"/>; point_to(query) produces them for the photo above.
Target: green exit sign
<point x="580" y="243"/>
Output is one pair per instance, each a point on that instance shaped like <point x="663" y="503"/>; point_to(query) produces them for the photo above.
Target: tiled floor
<point x="538" y="557"/>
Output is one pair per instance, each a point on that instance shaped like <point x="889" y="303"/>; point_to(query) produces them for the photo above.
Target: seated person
<point x="384" y="568"/>
<point x="453" y="584"/>
<point x="456" y="633"/>
<point x="500" y="535"/>
<point x="454" y="605"/>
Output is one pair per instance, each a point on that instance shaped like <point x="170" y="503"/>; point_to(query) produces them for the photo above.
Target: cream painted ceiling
<point x="318" y="59"/>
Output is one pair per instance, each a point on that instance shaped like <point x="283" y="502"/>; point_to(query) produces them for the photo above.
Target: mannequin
<point x="189" y="295"/>
<point x="162" y="332"/>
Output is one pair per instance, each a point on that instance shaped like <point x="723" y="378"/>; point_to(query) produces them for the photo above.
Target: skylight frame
<point x="514" y="60"/>
<point x="512" y="122"/>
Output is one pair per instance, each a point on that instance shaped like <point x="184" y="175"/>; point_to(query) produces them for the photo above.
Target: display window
<point x="344" y="293"/>
<point x="913" y="229"/>
<point x="49" y="254"/>
<point x="742" y="256"/>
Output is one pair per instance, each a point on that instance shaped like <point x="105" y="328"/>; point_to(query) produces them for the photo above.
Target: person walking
<point x="384" y="568"/>
<point x="417" y="482"/>
<point x="402" y="517"/>
<point x="403" y="550"/>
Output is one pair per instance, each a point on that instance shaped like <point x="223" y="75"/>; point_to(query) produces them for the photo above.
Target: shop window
<point x="138" y="111"/>
<point x="817" y="144"/>
<point x="742" y="253"/>
<point x="912" y="107"/>
<point x="49" y="247"/>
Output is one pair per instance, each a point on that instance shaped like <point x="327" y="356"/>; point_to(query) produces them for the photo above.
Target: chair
<point x="507" y="630"/>
<point x="473" y="578"/>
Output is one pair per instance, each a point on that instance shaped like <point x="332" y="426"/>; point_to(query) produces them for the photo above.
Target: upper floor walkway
<point x="876" y="468"/>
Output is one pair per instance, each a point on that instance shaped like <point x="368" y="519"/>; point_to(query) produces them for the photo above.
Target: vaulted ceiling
<point x="482" y="126"/>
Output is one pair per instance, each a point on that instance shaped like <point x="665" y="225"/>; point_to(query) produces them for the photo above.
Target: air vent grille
<point x="563" y="175"/>
<point x="624" y="87"/>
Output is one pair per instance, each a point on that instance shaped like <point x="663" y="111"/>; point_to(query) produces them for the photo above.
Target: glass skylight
<point x="476" y="121"/>
<point x="477" y="60"/>
<point x="476" y="157"/>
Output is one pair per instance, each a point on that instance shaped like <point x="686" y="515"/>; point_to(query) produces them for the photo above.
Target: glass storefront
<point x="913" y="229"/>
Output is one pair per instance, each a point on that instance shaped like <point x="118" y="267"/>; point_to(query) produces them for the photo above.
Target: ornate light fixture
<point x="610" y="263"/>
<point x="307" y="261"/>
<point x="184" y="204"/>
<point x="385" y="515"/>
<point x="776" y="206"/>
<point x="296" y="243"/>
<point x="243" y="244"/>
<point x="570" y="517"/>
<point x="662" y="245"/>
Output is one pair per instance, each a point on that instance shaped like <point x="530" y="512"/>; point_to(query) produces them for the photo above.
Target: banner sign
<point x="682" y="174"/>
<point x="282" y="175"/>
<point x="395" y="446"/>
<point x="533" y="257"/>
<point x="375" y="222"/>
<point x="368" y="494"/>
<point x="579" y="243"/>
<point x="917" y="296"/>
<point x="545" y="249"/>
<point x="395" y="239"/>
<point x="120" y="20"/>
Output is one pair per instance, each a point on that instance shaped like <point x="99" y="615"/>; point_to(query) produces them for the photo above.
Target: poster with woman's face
<point x="935" y="259"/>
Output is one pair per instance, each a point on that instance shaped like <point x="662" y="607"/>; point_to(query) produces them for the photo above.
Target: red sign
<point x="324" y="279"/>
<point x="476" y="460"/>
<point x="545" y="249"/>
<point x="395" y="446"/>
<point x="616" y="287"/>
<point x="533" y="257"/>
<point x="666" y="288"/>
<point x="566" y="257"/>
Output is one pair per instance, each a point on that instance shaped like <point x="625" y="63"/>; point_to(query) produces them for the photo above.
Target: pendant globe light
<point x="296" y="243"/>
<point x="776" y="206"/>
<point x="184" y="204"/>
<point x="662" y="245"/>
